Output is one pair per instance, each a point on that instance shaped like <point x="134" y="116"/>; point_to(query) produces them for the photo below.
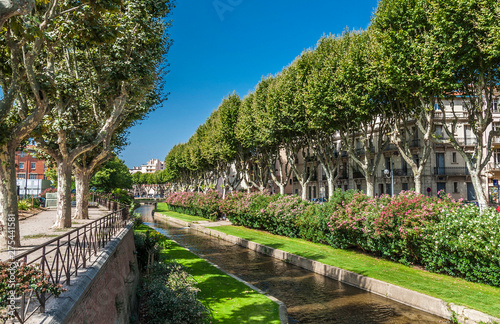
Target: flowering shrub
<point x="44" y="193"/>
<point x="195" y="203"/>
<point x="436" y="232"/>
<point x="392" y="227"/>
<point x="26" y="278"/>
<point x="280" y="216"/>
<point x="465" y="243"/>
<point x="246" y="208"/>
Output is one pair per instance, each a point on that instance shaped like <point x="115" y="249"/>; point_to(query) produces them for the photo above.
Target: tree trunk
<point x="478" y="188"/>
<point x="370" y="186"/>
<point x="331" y="186"/>
<point x="63" y="216"/>
<point x="417" y="177"/>
<point x="9" y="227"/>
<point x="304" y="191"/>
<point x="82" y="181"/>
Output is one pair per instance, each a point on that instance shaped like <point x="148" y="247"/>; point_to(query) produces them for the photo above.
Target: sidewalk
<point x="36" y="230"/>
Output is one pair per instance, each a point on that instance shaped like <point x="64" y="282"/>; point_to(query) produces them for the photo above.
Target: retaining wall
<point x="102" y="293"/>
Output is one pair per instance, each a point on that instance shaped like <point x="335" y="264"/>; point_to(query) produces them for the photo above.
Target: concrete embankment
<point x="408" y="297"/>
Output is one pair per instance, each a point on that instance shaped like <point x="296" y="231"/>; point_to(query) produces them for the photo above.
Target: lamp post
<point x="391" y="174"/>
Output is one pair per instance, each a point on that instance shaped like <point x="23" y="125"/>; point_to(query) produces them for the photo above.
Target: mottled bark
<point x="63" y="214"/>
<point x="9" y="227"/>
<point x="82" y="181"/>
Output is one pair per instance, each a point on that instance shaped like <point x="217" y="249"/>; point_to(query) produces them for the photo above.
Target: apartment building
<point x="30" y="173"/>
<point x="445" y="170"/>
<point x="152" y="166"/>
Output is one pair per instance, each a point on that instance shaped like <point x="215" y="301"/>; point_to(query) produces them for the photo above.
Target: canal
<point x="309" y="297"/>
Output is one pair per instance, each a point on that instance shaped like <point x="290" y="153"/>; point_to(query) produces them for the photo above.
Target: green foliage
<point x="169" y="295"/>
<point x="148" y="246"/>
<point x="26" y="278"/>
<point x="112" y="175"/>
<point x="465" y="243"/>
<point x="439" y="233"/>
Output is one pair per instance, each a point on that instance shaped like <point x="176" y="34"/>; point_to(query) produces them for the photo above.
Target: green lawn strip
<point x="163" y="209"/>
<point x="230" y="300"/>
<point x="481" y="297"/>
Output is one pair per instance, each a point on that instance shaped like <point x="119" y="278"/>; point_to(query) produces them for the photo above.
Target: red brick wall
<point x="112" y="297"/>
<point x="28" y="158"/>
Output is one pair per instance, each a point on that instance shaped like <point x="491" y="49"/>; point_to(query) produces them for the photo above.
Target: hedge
<point x="439" y="233"/>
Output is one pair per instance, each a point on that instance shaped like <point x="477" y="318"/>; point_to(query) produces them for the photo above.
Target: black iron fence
<point x="62" y="257"/>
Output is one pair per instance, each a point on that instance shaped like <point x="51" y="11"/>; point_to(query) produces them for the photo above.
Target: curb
<point x="402" y="295"/>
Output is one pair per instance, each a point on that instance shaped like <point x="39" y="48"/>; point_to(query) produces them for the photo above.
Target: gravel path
<point x="36" y="230"/>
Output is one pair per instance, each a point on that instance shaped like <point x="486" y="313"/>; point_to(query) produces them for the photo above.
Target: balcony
<point x="415" y="143"/>
<point x="357" y="174"/>
<point x="398" y="172"/>
<point x="391" y="147"/>
<point x="451" y="171"/>
<point x="359" y="151"/>
<point x="343" y="175"/>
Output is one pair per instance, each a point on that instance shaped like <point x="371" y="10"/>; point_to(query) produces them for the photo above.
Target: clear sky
<point x="221" y="46"/>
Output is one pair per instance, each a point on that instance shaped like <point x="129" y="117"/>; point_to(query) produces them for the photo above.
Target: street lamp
<point x="391" y="174"/>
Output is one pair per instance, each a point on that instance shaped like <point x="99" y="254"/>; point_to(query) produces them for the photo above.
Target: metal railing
<point x="398" y="172"/>
<point x="451" y="171"/>
<point x="61" y="257"/>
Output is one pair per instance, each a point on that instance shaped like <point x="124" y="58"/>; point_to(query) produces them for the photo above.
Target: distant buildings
<point x="30" y="173"/>
<point x="151" y="167"/>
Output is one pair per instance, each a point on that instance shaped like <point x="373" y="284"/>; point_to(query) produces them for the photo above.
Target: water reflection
<point x="309" y="297"/>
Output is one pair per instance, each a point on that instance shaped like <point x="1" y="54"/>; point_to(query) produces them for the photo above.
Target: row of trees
<point x="75" y="75"/>
<point x="375" y="87"/>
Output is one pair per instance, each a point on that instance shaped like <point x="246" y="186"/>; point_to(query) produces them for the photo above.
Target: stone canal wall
<point x="408" y="297"/>
<point x="102" y="293"/>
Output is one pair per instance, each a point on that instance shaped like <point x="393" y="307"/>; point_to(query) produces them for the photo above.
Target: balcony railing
<point x="451" y="171"/>
<point x="415" y="143"/>
<point x="357" y="174"/>
<point x="398" y="172"/>
<point x="61" y="257"/>
<point x="343" y="175"/>
<point x="391" y="147"/>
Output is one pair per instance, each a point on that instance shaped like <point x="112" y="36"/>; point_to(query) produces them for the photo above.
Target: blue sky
<point x="223" y="46"/>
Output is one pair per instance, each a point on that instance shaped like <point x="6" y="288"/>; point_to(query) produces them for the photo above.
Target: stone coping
<point x="402" y="295"/>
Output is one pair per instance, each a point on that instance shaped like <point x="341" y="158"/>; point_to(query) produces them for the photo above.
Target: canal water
<point x="309" y="297"/>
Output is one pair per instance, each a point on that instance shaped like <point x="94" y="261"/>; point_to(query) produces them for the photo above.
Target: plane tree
<point x="99" y="81"/>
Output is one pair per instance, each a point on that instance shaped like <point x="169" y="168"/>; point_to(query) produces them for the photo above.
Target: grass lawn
<point x="230" y="301"/>
<point x="481" y="297"/>
<point x="163" y="209"/>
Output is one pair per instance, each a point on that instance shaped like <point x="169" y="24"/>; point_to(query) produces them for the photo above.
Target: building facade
<point x="152" y="166"/>
<point x="444" y="170"/>
<point x="30" y="173"/>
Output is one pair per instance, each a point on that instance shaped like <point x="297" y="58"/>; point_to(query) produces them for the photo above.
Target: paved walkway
<point x="37" y="229"/>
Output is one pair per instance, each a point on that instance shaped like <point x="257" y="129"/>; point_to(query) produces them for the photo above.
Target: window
<point x="290" y="181"/>
<point x="21" y="165"/>
<point x="454" y="157"/>
<point x="455" y="187"/>
<point x="21" y="176"/>
<point x="405" y="186"/>
<point x="439" y="130"/>
<point x="22" y="154"/>
<point x="416" y="159"/>
<point x="314" y="192"/>
<point x="358" y="187"/>
<point x="436" y="106"/>
<point x="495" y="105"/>
<point x="346" y="188"/>
<point x="33" y="165"/>
<point x="33" y="176"/>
